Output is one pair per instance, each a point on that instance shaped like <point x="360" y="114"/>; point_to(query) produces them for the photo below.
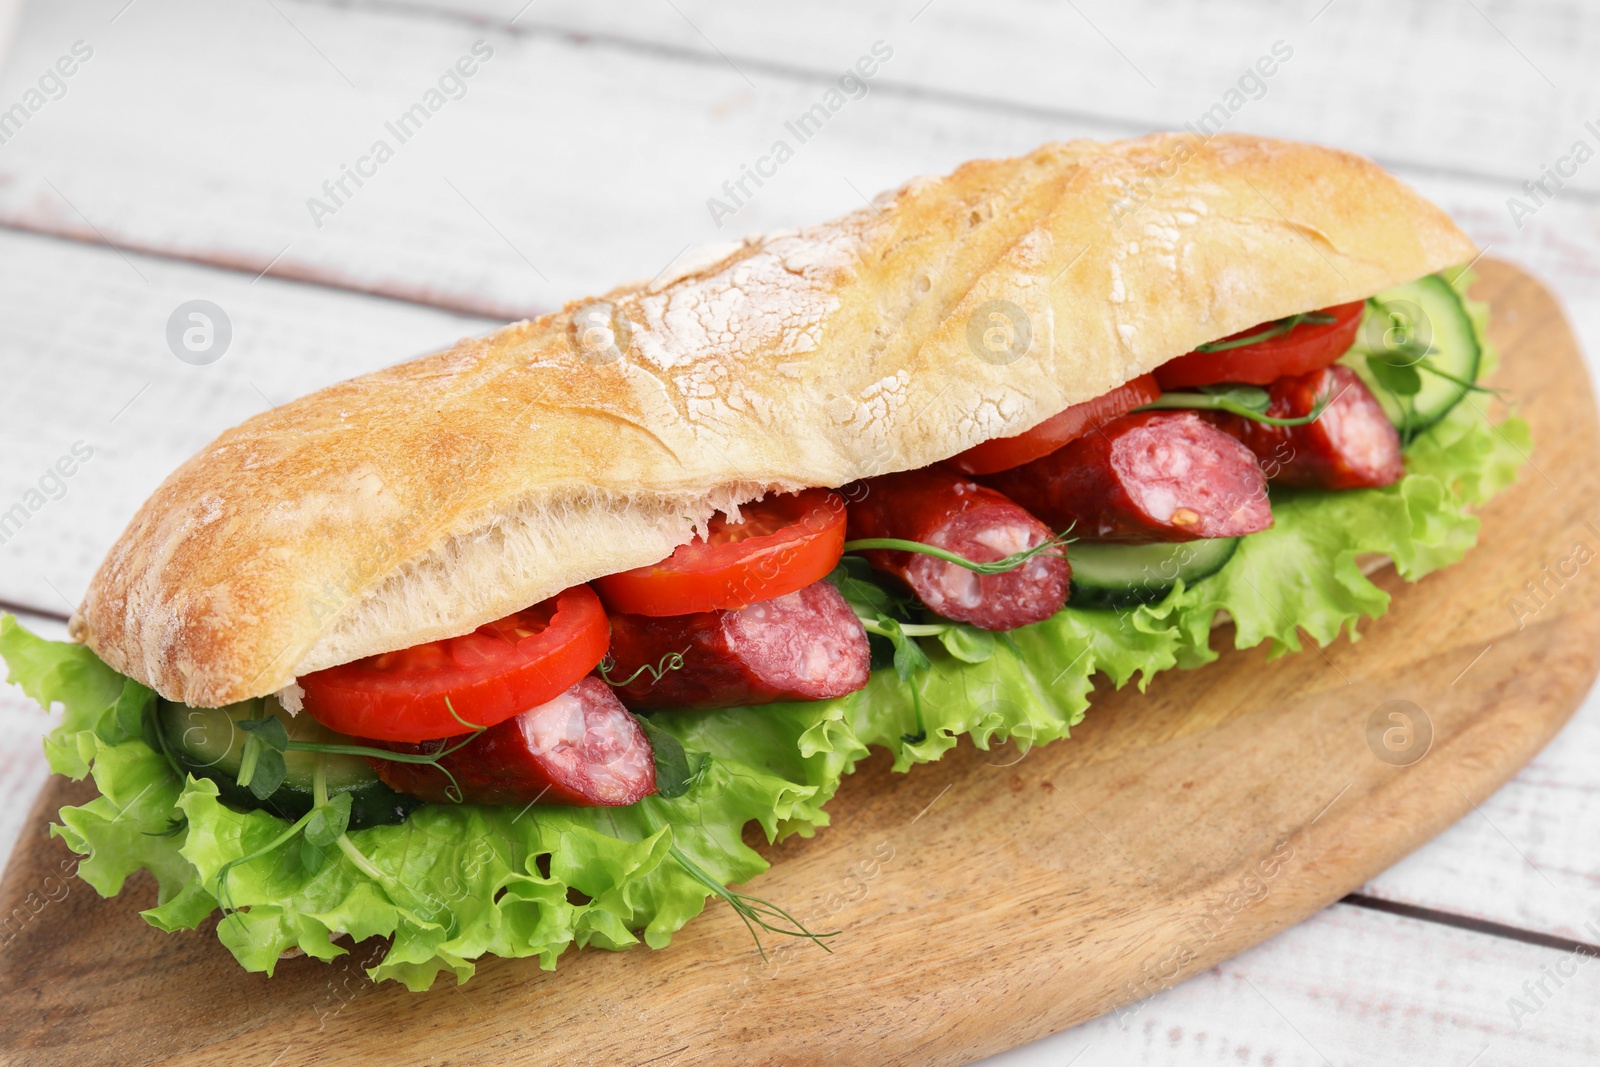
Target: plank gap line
<point x="254" y="267"/>
<point x="1466" y="922"/>
<point x="28" y="609"/>
<point x="581" y="36"/>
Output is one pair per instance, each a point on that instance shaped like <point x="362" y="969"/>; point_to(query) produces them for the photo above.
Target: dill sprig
<point x="752" y="911"/>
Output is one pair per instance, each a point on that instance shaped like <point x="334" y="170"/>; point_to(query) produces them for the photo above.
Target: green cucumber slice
<point x="207" y="743"/>
<point x="1106" y="575"/>
<point x="1415" y="348"/>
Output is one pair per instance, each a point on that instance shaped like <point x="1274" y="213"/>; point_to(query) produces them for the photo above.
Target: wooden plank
<point x="1350" y="986"/>
<point x="487" y="210"/>
<point x="1103" y="862"/>
<point x="1420" y="85"/>
<point x="88" y="365"/>
<point x="1524" y="857"/>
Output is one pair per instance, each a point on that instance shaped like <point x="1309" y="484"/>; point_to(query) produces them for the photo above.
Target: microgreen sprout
<point x="451" y="708"/>
<point x="153" y="728"/>
<point x="1248" y="401"/>
<point x="922" y="728"/>
<point x="1275" y="330"/>
<point x="998" y="566"/>
<point x="874" y="624"/>
<point x="430" y="759"/>
<point x="884" y="615"/>
<point x="1397" y="370"/>
<point x="262" y="770"/>
<point x="323" y="827"/>
<point x="1462" y="383"/>
<point x="224" y="896"/>
<point x="670" y="662"/>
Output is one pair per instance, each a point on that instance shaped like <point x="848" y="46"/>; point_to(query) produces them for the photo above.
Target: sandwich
<point x="501" y="650"/>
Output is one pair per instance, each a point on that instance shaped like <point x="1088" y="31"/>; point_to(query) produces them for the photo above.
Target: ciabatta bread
<point x="421" y="501"/>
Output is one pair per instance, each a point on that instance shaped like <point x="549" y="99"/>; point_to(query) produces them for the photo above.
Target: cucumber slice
<point x="1108" y="575"/>
<point x="206" y="742"/>
<point x="1415" y="348"/>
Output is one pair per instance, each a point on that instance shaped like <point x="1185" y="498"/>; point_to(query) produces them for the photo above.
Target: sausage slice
<point x="581" y="749"/>
<point x="1351" y="445"/>
<point x="938" y="507"/>
<point x="1147" y="476"/>
<point x="805" y="645"/>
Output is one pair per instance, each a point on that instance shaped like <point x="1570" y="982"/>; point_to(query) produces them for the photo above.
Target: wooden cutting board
<point x="985" y="900"/>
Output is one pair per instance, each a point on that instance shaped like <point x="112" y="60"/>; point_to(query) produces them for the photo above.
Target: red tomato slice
<point x="784" y="543"/>
<point x="499" y="670"/>
<point x="1309" y="346"/>
<point x="1003" y="453"/>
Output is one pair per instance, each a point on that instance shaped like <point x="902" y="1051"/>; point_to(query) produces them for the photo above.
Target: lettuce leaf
<point x="455" y="882"/>
<point x="57" y="672"/>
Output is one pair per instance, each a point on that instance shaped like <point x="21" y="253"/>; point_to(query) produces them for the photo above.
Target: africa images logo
<point x="199" y="332"/>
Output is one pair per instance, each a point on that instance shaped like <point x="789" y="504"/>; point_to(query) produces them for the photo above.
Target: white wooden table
<point x="177" y="162"/>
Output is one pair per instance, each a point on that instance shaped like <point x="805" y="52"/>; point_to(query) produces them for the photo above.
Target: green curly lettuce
<point x="456" y="882"/>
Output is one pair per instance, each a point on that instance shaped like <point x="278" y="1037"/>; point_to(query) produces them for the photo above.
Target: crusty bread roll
<point x="426" y="499"/>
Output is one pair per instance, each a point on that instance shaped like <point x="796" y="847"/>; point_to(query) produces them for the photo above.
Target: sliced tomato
<point x="784" y="543"/>
<point x="1003" y="453"/>
<point x="1309" y="346"/>
<point x="499" y="670"/>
